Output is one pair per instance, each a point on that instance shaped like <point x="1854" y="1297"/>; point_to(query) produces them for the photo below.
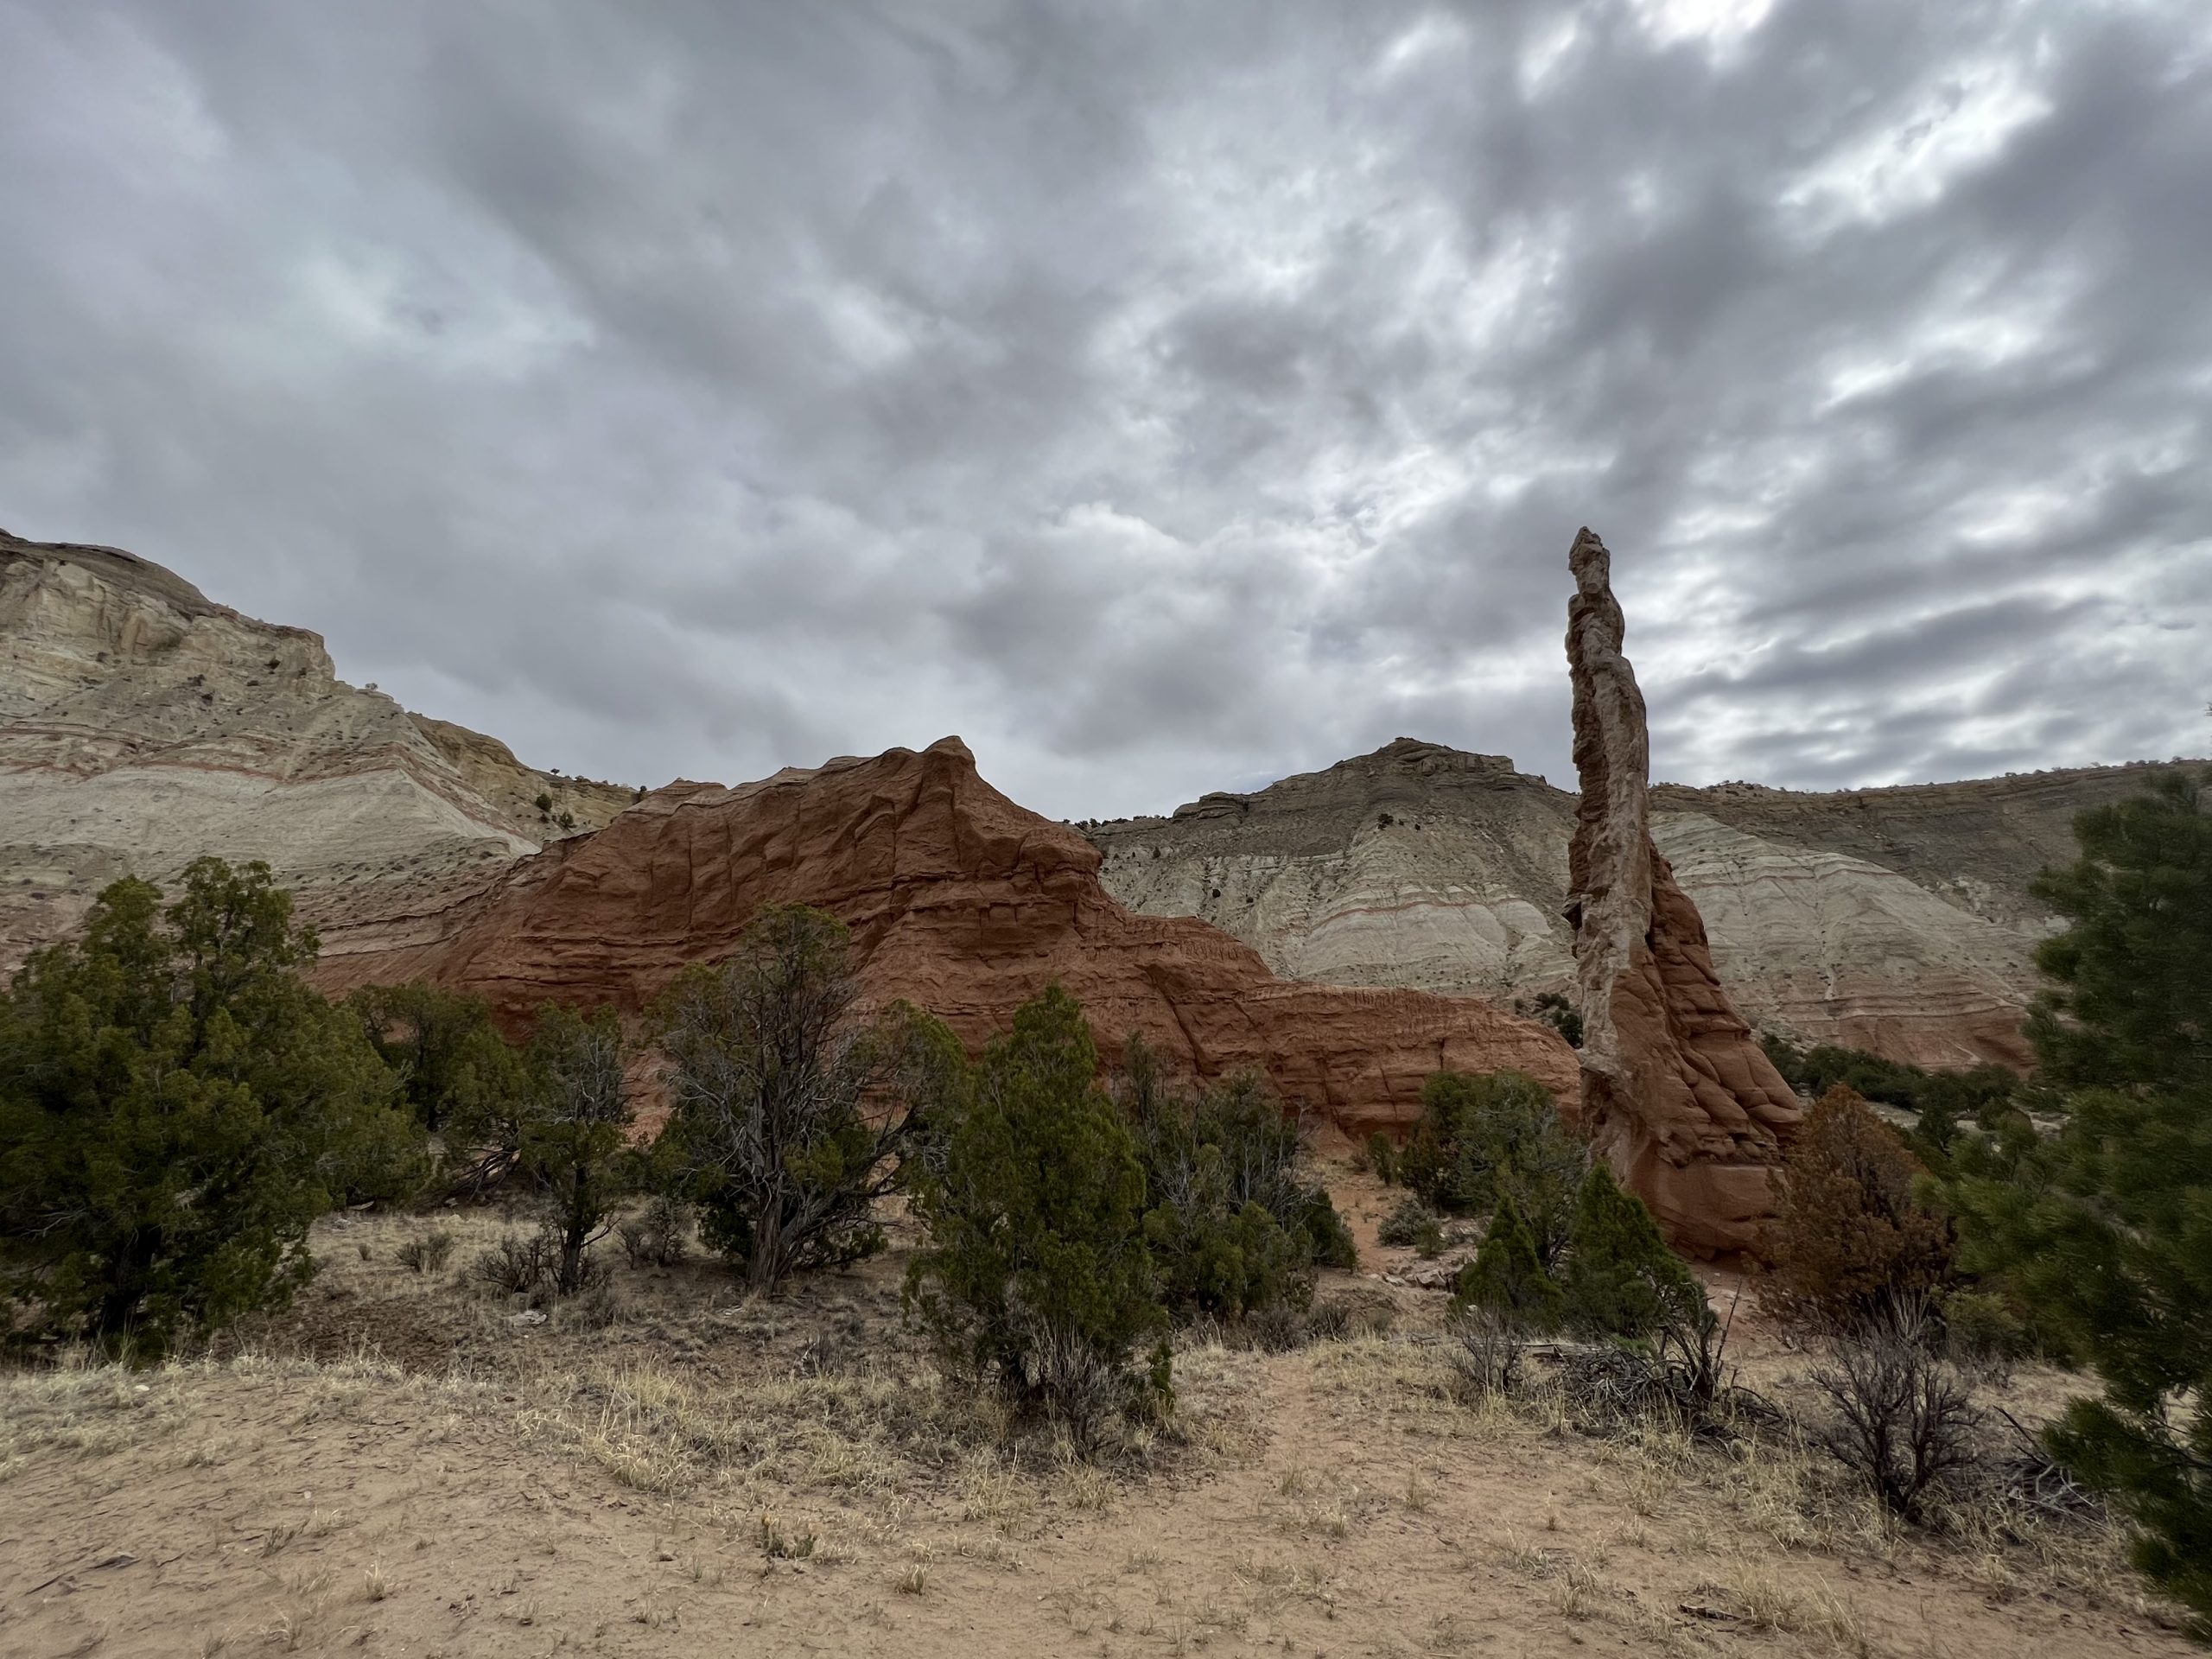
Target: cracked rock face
<point x="958" y="900"/>
<point x="1676" y="1094"/>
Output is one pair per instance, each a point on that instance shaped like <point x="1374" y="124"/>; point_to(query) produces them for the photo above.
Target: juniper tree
<point x="455" y="1069"/>
<point x="176" y="1107"/>
<point x="575" y="1131"/>
<point x="1850" y="1234"/>
<point x="1507" y="1277"/>
<point x="792" y="1105"/>
<point x="1233" y="1222"/>
<point x="1483" y="1138"/>
<point x="1621" y="1279"/>
<point x="1036" y="1272"/>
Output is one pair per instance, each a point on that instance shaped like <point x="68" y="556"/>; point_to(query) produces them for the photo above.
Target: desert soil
<point x="405" y="1464"/>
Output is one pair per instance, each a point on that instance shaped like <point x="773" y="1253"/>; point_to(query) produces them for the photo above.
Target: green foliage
<point x="576" y="1132"/>
<point x="1233" y="1224"/>
<point x="1621" y="1279"/>
<point x="1412" y="1223"/>
<point x="1561" y="1015"/>
<point x="772" y="1065"/>
<point x="1851" y="1235"/>
<point x="1382" y="1158"/>
<point x="2104" y="1231"/>
<point x="457" y="1073"/>
<point x="1482" y="1139"/>
<point x="1984" y="1094"/>
<point x="1507" y="1277"/>
<point x="176" y="1107"/>
<point x="2131" y="1006"/>
<point x="1037" y="1272"/>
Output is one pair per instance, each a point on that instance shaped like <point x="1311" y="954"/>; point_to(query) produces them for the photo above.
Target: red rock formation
<point x="1677" y="1094"/>
<point x="957" y="900"/>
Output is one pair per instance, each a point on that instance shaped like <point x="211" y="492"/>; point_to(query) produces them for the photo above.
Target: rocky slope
<point x="142" y="725"/>
<point x="959" y="900"/>
<point x="1895" y="919"/>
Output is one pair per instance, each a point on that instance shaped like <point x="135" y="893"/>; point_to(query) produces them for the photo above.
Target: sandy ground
<point x="403" y="1466"/>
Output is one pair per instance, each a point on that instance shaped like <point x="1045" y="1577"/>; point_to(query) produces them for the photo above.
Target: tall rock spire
<point x="1677" y="1096"/>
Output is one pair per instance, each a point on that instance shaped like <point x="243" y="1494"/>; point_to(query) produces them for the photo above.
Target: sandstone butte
<point x="1677" y="1096"/>
<point x="958" y="900"/>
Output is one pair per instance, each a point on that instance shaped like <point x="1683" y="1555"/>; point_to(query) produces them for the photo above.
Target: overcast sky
<point x="1165" y="398"/>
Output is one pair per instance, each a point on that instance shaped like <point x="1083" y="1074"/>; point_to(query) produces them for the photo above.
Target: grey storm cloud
<point x="1164" y="398"/>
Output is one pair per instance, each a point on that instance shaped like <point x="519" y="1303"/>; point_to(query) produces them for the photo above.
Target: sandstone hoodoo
<point x="958" y="900"/>
<point x="1677" y="1094"/>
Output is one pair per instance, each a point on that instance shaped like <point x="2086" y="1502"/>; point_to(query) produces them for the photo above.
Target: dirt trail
<point x="290" y="1511"/>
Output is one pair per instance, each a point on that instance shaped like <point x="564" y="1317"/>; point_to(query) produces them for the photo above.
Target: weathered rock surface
<point x="1677" y="1096"/>
<point x="1897" y="919"/>
<point x="142" y="726"/>
<point x="957" y="900"/>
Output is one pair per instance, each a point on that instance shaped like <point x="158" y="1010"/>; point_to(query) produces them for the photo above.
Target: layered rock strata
<point x="1676" y="1094"/>
<point x="142" y="726"/>
<point x="1899" y="920"/>
<point x="957" y="900"/>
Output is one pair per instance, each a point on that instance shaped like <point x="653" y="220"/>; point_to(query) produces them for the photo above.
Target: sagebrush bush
<point x="426" y="1252"/>
<point x="656" y="1236"/>
<point x="1849" y="1237"/>
<point x="1412" y="1224"/>
<point x="1902" y="1416"/>
<point x="515" y="1265"/>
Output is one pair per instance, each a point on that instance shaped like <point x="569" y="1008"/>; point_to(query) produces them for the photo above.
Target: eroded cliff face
<point x="1677" y="1094"/>
<point x="959" y="900"/>
<point x="142" y="726"/>
<point x="1897" y="920"/>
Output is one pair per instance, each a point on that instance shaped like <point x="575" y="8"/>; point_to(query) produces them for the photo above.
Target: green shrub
<point x="457" y="1073"/>
<point x="1036" y="1273"/>
<point x="773" y="1066"/>
<point x="1980" y="1327"/>
<point x="1382" y="1157"/>
<point x="1233" y="1223"/>
<point x="1412" y="1223"/>
<point x="177" y="1106"/>
<point x="1943" y="1099"/>
<point x="1506" y="1277"/>
<point x="1849" y="1237"/>
<point x="1561" y="1015"/>
<point x="576" y="1133"/>
<point x="2104" y="1229"/>
<point x="1621" y="1279"/>
<point x="1482" y="1139"/>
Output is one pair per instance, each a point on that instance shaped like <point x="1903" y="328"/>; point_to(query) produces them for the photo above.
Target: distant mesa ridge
<point x="142" y="724"/>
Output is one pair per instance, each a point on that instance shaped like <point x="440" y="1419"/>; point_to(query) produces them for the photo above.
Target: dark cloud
<point x="1165" y="398"/>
